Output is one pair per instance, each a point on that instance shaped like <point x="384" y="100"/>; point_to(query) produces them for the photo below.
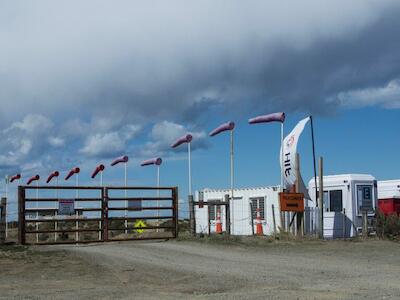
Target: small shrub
<point x="388" y="226"/>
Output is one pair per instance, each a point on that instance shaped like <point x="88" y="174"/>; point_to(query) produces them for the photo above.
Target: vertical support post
<point x="192" y="216"/>
<point x="364" y="213"/>
<point x="230" y="224"/>
<point x="227" y="215"/>
<point x="190" y="169"/>
<point x="273" y="218"/>
<point x="6" y="199"/>
<point x="126" y="202"/>
<point x="313" y="151"/>
<point x="37" y="211"/>
<point x="3" y="220"/>
<point x="102" y="199"/>
<point x="281" y="214"/>
<point x="21" y="215"/>
<point x="158" y="196"/>
<point x="252" y="218"/>
<point x="76" y="212"/>
<point x="55" y="213"/>
<point x="299" y="215"/>
<point x="104" y="196"/>
<point x="209" y="219"/>
<point x="321" y="197"/>
<point x="175" y="211"/>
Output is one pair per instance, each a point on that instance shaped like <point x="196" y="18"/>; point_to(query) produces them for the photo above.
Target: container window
<point x="336" y="200"/>
<point x="255" y="203"/>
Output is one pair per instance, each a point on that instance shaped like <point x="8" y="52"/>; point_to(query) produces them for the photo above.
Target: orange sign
<point x="292" y="202"/>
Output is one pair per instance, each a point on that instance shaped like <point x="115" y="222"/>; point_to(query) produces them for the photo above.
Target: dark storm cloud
<point x="158" y="61"/>
<point x="93" y="67"/>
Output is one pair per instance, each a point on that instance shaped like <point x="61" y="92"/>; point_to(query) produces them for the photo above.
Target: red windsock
<point x="98" y="169"/>
<point x="275" y="117"/>
<point x="122" y="159"/>
<point x="155" y="161"/>
<point x="223" y="127"/>
<point x="33" y="178"/>
<point x="15" y="177"/>
<point x="183" y="139"/>
<point x="52" y="175"/>
<point x="73" y="171"/>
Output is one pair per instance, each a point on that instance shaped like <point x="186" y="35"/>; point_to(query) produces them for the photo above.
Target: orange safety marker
<point x="259" y="228"/>
<point x="218" y="223"/>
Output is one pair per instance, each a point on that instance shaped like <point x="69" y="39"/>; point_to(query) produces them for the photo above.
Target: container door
<point x="335" y="223"/>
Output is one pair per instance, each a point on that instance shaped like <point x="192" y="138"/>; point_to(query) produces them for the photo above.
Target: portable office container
<point x="345" y="197"/>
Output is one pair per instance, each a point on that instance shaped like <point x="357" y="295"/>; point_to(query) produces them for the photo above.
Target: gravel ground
<point x="195" y="270"/>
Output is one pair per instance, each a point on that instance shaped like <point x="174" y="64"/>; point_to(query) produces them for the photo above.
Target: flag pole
<point x="313" y="150"/>
<point x="282" y="157"/>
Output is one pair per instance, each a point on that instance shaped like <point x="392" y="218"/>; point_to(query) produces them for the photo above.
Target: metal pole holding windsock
<point x="30" y="180"/>
<point x="229" y="126"/>
<point x="124" y="160"/>
<point x="274" y="117"/>
<point x="9" y="179"/>
<point x="182" y="140"/>
<point x="157" y="162"/>
<point x="99" y="169"/>
<point x="75" y="171"/>
<point x="55" y="175"/>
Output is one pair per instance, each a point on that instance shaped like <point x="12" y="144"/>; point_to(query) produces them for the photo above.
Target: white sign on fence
<point x="66" y="207"/>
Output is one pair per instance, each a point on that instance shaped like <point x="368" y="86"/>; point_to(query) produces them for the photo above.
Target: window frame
<point x="260" y="199"/>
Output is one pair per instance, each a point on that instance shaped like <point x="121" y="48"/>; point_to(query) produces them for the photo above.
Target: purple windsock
<point x="275" y="117"/>
<point x="121" y="159"/>
<point x="184" y="139"/>
<point x="154" y="161"/>
<point x="33" y="178"/>
<point x="223" y="127"/>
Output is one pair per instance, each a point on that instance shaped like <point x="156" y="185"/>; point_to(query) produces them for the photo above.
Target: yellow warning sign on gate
<point x="140" y="224"/>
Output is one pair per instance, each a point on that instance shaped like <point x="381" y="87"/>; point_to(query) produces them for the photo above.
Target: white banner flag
<point x="288" y="163"/>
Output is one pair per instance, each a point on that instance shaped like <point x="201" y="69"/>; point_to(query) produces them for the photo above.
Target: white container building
<point x="345" y="196"/>
<point x="388" y="189"/>
<point x="240" y="209"/>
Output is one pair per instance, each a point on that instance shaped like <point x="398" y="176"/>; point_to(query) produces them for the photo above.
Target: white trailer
<point x="388" y="189"/>
<point x="345" y="196"/>
<point x="240" y="210"/>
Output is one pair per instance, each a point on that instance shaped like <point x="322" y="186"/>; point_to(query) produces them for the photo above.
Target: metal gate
<point x="87" y="214"/>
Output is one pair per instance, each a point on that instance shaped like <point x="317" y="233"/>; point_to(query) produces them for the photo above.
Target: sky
<point x="84" y="82"/>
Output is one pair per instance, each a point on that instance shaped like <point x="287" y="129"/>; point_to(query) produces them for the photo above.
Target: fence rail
<point x="96" y="218"/>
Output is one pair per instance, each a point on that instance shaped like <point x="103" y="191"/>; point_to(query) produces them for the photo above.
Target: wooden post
<point x="365" y="223"/>
<point x="227" y="215"/>
<point x="273" y="218"/>
<point x="192" y="217"/>
<point x="252" y="218"/>
<point x="299" y="215"/>
<point x="104" y="195"/>
<point x="321" y="197"/>
<point x="21" y="215"/>
<point x="3" y="220"/>
<point x="175" y="211"/>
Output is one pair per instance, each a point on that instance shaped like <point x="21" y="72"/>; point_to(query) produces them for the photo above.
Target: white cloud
<point x="110" y="143"/>
<point x="56" y="141"/>
<point x="387" y="96"/>
<point x="164" y="133"/>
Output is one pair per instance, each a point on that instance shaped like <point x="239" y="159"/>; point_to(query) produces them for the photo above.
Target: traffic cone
<point x="218" y="224"/>
<point x="259" y="228"/>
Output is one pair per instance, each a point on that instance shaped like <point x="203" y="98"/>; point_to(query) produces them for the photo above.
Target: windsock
<point x="73" y="171"/>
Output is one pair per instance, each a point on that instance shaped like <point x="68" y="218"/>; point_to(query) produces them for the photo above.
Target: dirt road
<point x="170" y="270"/>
